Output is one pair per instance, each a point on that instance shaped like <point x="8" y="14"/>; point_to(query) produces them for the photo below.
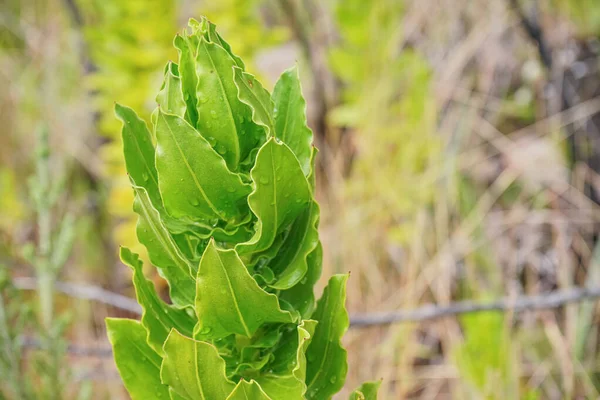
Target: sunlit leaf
<point x="194" y="370"/>
<point x="138" y="364"/>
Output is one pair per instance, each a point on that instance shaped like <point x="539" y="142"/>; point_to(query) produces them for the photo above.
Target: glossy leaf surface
<point x="158" y="318"/>
<point x="137" y="363"/>
<point x="327" y="364"/>
<point x="281" y="192"/>
<point x="290" y="117"/>
<point x="194" y="370"/>
<point x="194" y="180"/>
<point x="227" y="297"/>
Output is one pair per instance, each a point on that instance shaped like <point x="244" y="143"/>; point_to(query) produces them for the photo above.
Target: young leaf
<point x="290" y="264"/>
<point x="194" y="370"/>
<point x="138" y="364"/>
<point x="170" y="98"/>
<point x="287" y="375"/>
<point x="228" y="299"/>
<point x="248" y="391"/>
<point x="193" y="178"/>
<point x="163" y="251"/>
<point x="327" y="365"/>
<point x="301" y="296"/>
<point x="214" y="36"/>
<point x="139" y="153"/>
<point x="281" y="192"/>
<point x="252" y="93"/>
<point x="290" y="117"/>
<point x="222" y="119"/>
<point x="158" y="317"/>
<point x="187" y="49"/>
<point x="366" y="391"/>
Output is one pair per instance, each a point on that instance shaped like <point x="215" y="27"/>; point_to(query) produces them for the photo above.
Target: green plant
<point x="43" y="375"/>
<point x="227" y="213"/>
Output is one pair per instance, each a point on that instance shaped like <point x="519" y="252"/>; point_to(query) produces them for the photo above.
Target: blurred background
<point x="459" y="161"/>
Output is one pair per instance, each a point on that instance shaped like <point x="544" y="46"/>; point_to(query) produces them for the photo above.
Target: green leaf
<point x="248" y="391"/>
<point x="139" y="153"/>
<point x="301" y="296"/>
<point x="290" y="265"/>
<point x="194" y="370"/>
<point x="163" y="251"/>
<point x="290" y="117"/>
<point x="287" y="375"/>
<point x="327" y="365"/>
<point x="193" y="178"/>
<point x="252" y="93"/>
<point x="170" y="97"/>
<point x="158" y="317"/>
<point x="366" y="391"/>
<point x="138" y="364"/>
<point x="228" y="299"/>
<point x="223" y="120"/>
<point x="214" y="36"/>
<point x="187" y="48"/>
<point x="281" y="192"/>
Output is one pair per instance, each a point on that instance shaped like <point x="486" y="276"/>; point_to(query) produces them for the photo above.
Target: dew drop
<point x="144" y="176"/>
<point x="231" y="190"/>
<point x="203" y="99"/>
<point x="212" y="141"/>
<point x="194" y="202"/>
<point x="333" y="379"/>
<point x="264" y="180"/>
<point x="213" y="113"/>
<point x="205" y="330"/>
<point x="221" y="149"/>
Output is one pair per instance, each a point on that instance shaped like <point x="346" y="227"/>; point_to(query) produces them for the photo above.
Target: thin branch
<point x="72" y="349"/>
<point x="424" y="313"/>
<point x="519" y="304"/>
<point x="86" y="292"/>
<point x="533" y="29"/>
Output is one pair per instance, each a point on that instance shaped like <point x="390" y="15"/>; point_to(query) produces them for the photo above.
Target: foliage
<point x="224" y="190"/>
<point x="386" y="95"/>
<point x="45" y="377"/>
<point x="128" y="42"/>
<point x="585" y="16"/>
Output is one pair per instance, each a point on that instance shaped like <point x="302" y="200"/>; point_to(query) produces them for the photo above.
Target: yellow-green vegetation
<point x="127" y="42"/>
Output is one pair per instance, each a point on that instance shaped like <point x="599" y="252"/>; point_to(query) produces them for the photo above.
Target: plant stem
<point x="14" y="364"/>
<point x="44" y="269"/>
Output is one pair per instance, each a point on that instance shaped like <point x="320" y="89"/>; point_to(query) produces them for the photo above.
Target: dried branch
<point x="533" y="29"/>
<point x="424" y="313"/>
<point x="86" y="292"/>
<point x="518" y="304"/>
